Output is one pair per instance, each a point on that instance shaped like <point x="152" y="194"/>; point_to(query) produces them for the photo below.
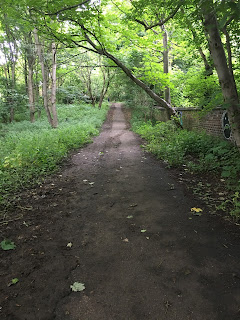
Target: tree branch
<point x="67" y="8"/>
<point x="160" y="22"/>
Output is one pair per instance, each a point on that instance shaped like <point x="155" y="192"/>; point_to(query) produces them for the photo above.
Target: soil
<point x="116" y="220"/>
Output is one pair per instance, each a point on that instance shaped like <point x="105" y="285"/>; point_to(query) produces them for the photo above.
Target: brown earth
<point x="115" y="220"/>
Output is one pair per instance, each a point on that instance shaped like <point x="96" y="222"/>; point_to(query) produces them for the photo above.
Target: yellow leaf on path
<point x="196" y="209"/>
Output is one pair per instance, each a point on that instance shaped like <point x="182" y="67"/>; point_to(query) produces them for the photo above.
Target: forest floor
<point x="116" y="220"/>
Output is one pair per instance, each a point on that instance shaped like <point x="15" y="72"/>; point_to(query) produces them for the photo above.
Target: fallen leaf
<point x="13" y="281"/>
<point x="143" y="230"/>
<point x="125" y="240"/>
<point x="91" y="183"/>
<point x="69" y="245"/>
<point x="77" y="286"/>
<point x="7" y="245"/>
<point x="196" y="209"/>
<point x="85" y="180"/>
<point x="129" y="217"/>
<point x="147" y="238"/>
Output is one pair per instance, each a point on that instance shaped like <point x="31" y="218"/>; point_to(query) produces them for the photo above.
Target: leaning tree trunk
<point x="225" y="77"/>
<point x="163" y="103"/>
<point x="167" y="106"/>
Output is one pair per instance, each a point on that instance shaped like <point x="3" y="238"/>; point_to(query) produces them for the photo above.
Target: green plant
<point x="197" y="150"/>
<point x="232" y="206"/>
<point x="30" y="151"/>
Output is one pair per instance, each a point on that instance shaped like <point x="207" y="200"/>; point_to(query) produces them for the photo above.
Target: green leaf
<point x="143" y="230"/>
<point x="14" y="280"/>
<point x="7" y="245"/>
<point x="77" y="286"/>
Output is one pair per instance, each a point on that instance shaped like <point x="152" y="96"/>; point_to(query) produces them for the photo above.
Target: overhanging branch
<point x="160" y="22"/>
<point x="63" y="9"/>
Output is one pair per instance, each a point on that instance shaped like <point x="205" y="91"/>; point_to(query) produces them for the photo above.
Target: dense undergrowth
<point x="198" y="152"/>
<point x="30" y="151"/>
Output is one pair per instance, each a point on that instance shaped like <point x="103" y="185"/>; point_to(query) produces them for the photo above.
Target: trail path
<point x="136" y="246"/>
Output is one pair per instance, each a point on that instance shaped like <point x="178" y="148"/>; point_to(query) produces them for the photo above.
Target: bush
<point x="198" y="151"/>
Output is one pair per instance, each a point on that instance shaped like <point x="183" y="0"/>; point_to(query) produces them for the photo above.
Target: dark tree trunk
<point x="225" y="76"/>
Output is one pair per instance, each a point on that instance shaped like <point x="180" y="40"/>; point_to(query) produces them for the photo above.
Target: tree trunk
<point x="44" y="77"/>
<point x="106" y="83"/>
<point x="207" y="66"/>
<point x="167" y="95"/>
<point x="31" y="92"/>
<point x="225" y="77"/>
<point x="26" y="73"/>
<point x="29" y="62"/>
<point x="103" y="94"/>
<point x="12" y="111"/>
<point x="54" y="86"/>
<point x="229" y="50"/>
<point x="89" y="86"/>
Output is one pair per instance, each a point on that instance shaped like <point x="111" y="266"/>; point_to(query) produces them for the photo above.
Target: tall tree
<point x="30" y="57"/>
<point x="50" y="109"/>
<point x="10" y="49"/>
<point x="224" y="70"/>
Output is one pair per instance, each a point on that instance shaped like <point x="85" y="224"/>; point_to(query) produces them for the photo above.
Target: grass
<point x="30" y="151"/>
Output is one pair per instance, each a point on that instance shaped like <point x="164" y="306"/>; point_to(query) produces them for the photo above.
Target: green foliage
<point x="232" y="206"/>
<point x="70" y="94"/>
<point x="30" y="151"/>
<point x="13" y="98"/>
<point x="195" y="89"/>
<point x="198" y="151"/>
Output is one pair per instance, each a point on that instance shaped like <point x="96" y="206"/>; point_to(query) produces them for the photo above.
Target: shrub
<point x="197" y="150"/>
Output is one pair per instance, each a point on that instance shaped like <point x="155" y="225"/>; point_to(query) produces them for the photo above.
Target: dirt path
<point x="182" y="267"/>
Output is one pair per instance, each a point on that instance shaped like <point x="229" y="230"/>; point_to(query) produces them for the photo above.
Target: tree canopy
<point x="180" y="53"/>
